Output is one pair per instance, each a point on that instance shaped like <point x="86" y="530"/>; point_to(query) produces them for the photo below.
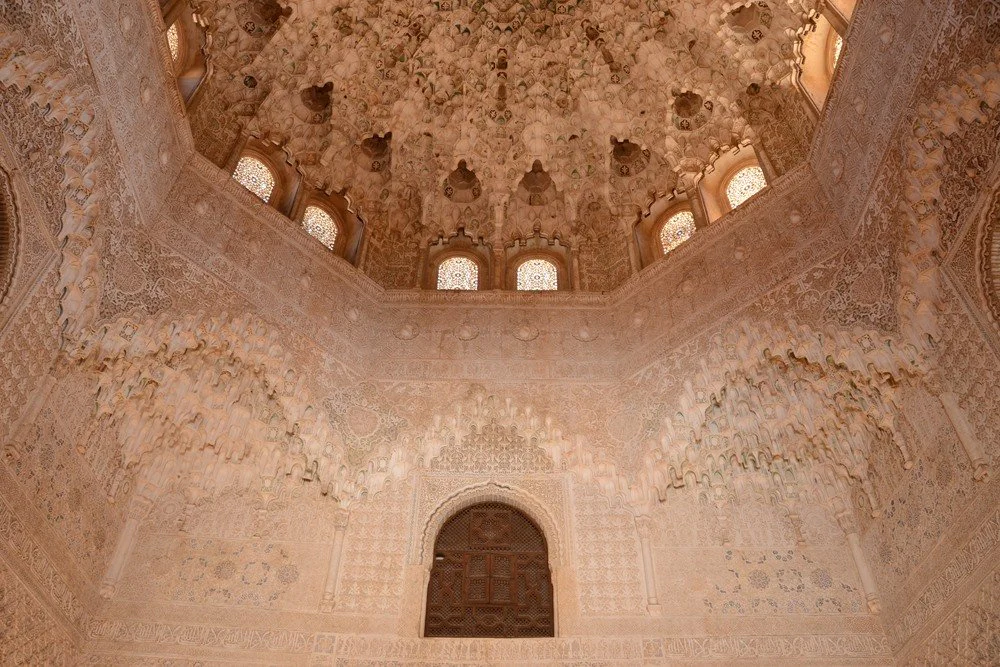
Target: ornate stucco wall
<point x="219" y="443"/>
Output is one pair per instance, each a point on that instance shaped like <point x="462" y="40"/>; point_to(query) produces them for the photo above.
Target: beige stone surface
<point x="222" y="442"/>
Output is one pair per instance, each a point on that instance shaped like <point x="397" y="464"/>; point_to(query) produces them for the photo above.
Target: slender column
<point x="499" y="267"/>
<point x="138" y="508"/>
<point x="172" y="13"/>
<point x="333" y="568"/>
<point x="850" y="529"/>
<point x="236" y="153"/>
<point x="297" y="204"/>
<point x="973" y="448"/>
<point x="770" y="174"/>
<point x="423" y="270"/>
<point x="283" y="199"/>
<point x="688" y="181"/>
<point x="837" y="20"/>
<point x="361" y="259"/>
<point x="698" y="209"/>
<point x="628" y="227"/>
<point x="643" y="525"/>
<point x="574" y="268"/>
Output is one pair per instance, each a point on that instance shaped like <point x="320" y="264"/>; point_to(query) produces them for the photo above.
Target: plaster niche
<point x="542" y="512"/>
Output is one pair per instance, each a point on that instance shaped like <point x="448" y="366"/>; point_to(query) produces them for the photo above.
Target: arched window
<point x="676" y="230"/>
<point x="838" y="48"/>
<point x="255" y="176"/>
<point x="537" y="275"/>
<point x="817" y="55"/>
<point x="458" y="273"/>
<point x="490" y="577"/>
<point x="186" y="40"/>
<point x="174" y="41"/>
<point x="745" y="184"/>
<point x="321" y="225"/>
<point x="8" y="232"/>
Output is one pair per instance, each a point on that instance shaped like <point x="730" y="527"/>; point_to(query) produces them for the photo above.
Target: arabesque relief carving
<point x="221" y="441"/>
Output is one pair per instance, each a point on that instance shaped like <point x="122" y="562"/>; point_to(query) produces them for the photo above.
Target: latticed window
<point x="174" y="41"/>
<point x="459" y="273"/>
<point x="745" y="184"/>
<point x="537" y="275"/>
<point x="838" y="48"/>
<point x="490" y="577"/>
<point x="676" y="230"/>
<point x="320" y="224"/>
<point x="254" y="175"/>
<point x="7" y="235"/>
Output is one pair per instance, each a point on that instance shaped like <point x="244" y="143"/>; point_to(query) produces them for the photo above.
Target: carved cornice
<point x="125" y="637"/>
<point x="348" y="292"/>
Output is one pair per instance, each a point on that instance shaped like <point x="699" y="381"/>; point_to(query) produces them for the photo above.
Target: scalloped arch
<point x="492" y="492"/>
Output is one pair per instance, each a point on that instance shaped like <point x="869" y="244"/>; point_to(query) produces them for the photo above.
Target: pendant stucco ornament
<point x="466" y="332"/>
<point x="526" y="333"/>
<point x="408" y="331"/>
<point x="585" y="334"/>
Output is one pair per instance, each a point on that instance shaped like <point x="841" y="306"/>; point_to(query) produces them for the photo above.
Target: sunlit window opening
<point x="676" y="230"/>
<point x="537" y="275"/>
<point x="320" y="224"/>
<point x="174" y="41"/>
<point x="254" y="175"/>
<point x="745" y="184"/>
<point x="838" y="47"/>
<point x="458" y="273"/>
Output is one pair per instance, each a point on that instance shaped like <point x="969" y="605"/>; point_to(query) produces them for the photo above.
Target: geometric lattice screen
<point x="490" y="577"/>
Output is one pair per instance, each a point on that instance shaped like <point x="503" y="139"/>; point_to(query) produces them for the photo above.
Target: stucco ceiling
<point x="415" y="108"/>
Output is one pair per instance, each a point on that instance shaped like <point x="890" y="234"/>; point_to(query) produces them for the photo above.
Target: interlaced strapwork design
<point x="254" y="175"/>
<point x="458" y="273"/>
<point x="490" y="577"/>
<point x="174" y="41"/>
<point x="745" y="184"/>
<point x="320" y="225"/>
<point x="676" y="230"/>
<point x="537" y="275"/>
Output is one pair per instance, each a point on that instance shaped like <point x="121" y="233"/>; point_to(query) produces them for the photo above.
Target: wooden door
<point x="490" y="577"/>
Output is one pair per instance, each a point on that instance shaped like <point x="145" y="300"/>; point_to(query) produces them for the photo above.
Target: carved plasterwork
<point x="989" y="265"/>
<point x="546" y="512"/>
<point x="775" y="445"/>
<point x="66" y="102"/>
<point x="960" y="107"/>
<point x="31" y="635"/>
<point x="413" y="94"/>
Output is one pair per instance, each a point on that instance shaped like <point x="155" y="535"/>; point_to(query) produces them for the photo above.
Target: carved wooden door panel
<point x="490" y="577"/>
